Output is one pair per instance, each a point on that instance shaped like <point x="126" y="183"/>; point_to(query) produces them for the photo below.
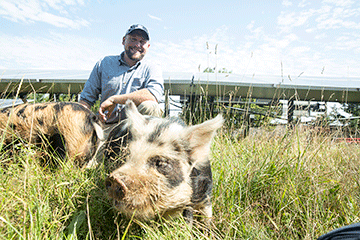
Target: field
<point x="274" y="184"/>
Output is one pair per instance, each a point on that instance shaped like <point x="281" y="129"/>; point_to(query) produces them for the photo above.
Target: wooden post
<point x="291" y="108"/>
<point x="167" y="104"/>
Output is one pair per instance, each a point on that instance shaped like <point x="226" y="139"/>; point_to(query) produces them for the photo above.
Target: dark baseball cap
<point x="139" y="27"/>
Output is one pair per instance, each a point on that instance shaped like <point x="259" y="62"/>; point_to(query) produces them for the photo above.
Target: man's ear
<point x="123" y="41"/>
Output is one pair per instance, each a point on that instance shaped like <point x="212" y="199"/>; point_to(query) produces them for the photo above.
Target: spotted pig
<point x="166" y="171"/>
<point x="67" y="128"/>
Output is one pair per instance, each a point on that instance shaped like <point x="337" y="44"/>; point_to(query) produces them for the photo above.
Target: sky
<point x="258" y="37"/>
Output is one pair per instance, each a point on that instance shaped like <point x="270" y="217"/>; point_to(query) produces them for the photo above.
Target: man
<point x="125" y="76"/>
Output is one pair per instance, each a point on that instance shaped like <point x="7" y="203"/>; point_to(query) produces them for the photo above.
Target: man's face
<point x="135" y="46"/>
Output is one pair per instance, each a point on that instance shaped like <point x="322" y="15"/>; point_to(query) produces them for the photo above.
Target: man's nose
<point x="137" y="44"/>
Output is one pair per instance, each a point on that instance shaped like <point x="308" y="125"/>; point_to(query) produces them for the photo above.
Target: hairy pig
<point x="166" y="171"/>
<point x="66" y="128"/>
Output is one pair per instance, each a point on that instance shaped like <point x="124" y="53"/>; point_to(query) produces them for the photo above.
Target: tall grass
<point x="273" y="184"/>
<point x="295" y="186"/>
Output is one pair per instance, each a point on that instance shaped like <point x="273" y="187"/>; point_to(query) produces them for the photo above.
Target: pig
<point x="164" y="170"/>
<point x="66" y="128"/>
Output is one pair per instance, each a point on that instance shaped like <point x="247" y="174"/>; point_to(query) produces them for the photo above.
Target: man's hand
<point x="106" y="108"/>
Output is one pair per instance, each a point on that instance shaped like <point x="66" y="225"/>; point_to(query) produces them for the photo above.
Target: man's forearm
<point x="137" y="97"/>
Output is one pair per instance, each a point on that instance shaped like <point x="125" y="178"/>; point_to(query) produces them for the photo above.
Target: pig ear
<point x="135" y="120"/>
<point x="200" y="136"/>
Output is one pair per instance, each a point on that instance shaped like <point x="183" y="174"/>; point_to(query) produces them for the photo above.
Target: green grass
<point x="294" y="184"/>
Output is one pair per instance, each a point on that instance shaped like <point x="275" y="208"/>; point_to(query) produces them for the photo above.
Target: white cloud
<point x="286" y="3"/>
<point x="321" y="36"/>
<point x="56" y="51"/>
<point x="304" y="3"/>
<point x="260" y="53"/>
<point x="30" y="11"/>
<point x="288" y="20"/>
<point x="334" y="18"/>
<point x="302" y="42"/>
<point x="256" y="32"/>
<point x="332" y="14"/>
<point x="341" y="3"/>
<point x="155" y="18"/>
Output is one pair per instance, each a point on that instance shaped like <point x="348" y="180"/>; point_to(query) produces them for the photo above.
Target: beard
<point x="135" y="55"/>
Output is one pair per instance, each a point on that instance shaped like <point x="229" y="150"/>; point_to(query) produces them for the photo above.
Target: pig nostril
<point x="115" y="187"/>
<point x="119" y="191"/>
<point x="108" y="184"/>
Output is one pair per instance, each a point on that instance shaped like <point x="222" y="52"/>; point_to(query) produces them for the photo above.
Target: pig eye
<point x="162" y="165"/>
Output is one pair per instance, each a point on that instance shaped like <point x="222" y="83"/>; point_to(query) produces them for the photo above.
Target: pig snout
<point x="116" y="187"/>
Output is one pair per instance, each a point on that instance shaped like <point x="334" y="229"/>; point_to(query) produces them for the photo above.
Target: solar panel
<point x="215" y="84"/>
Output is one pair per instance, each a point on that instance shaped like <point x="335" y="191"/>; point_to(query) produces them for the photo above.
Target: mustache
<point x="137" y="49"/>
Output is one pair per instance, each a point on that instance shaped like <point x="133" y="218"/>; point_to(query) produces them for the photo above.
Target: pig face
<point x="166" y="171"/>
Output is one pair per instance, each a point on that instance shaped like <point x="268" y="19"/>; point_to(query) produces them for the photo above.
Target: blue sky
<point x="312" y="38"/>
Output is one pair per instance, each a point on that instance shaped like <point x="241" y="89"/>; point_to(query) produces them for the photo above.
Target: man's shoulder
<point x="150" y="65"/>
<point x="110" y="59"/>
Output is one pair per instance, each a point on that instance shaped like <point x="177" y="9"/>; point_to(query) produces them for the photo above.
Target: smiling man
<point x="125" y="76"/>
